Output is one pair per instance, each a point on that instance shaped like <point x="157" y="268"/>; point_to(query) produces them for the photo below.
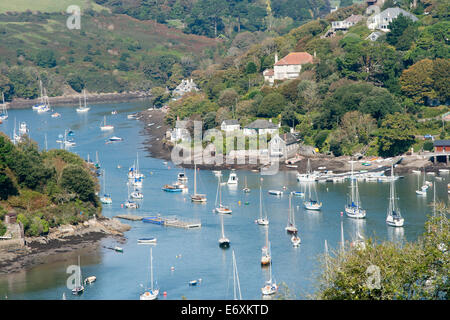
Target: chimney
<point x="276" y="57"/>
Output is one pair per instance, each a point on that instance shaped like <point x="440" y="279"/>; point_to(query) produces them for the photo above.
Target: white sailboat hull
<point x="312" y="206"/>
<point x="355" y="212"/>
<point x="149" y="295"/>
<point x="394" y="222"/>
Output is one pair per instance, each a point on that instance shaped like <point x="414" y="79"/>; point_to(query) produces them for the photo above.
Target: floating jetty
<point x="129" y="217"/>
<point x="173" y="221"/>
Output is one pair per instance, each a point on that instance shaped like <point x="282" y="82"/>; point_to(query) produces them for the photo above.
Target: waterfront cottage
<point x="180" y="132"/>
<point x="260" y="126"/>
<point x="382" y="20"/>
<point x="285" y="145"/>
<point x="230" y="125"/>
<point x="287" y="68"/>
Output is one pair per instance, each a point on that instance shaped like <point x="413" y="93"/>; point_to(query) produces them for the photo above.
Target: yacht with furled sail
<point x="270" y="286"/>
<point x="262" y="221"/>
<point x="224" y="242"/>
<point x="394" y="217"/>
<point x="106" y="127"/>
<point x="85" y="108"/>
<point x="246" y="188"/>
<point x="106" y="198"/>
<point x="312" y="204"/>
<point x="266" y="257"/>
<point x="421" y="190"/>
<point x="291" y="227"/>
<point x="308" y="176"/>
<point x="150" y="293"/>
<point x="79" y="288"/>
<point x="134" y="171"/>
<point x="221" y="208"/>
<point x="46" y="106"/>
<point x="353" y="208"/>
<point x="3" y="111"/>
<point x="41" y="104"/>
<point x="196" y="197"/>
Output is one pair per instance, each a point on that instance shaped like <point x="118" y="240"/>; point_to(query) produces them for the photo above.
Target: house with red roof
<point x="287" y="68"/>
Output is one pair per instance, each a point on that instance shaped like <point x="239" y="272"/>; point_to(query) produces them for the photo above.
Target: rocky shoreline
<point x="74" y="98"/>
<point x="155" y="144"/>
<point x="63" y="239"/>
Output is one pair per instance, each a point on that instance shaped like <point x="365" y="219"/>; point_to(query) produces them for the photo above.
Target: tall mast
<point x="151" y="268"/>
<point x="40" y="85"/>
<point x="221" y="225"/>
<point x="236" y="279"/>
<point x="260" y="201"/>
<point x="84" y="91"/>
<point x="342" y="236"/>
<point x="79" y="278"/>
<point x="195" y="178"/>
<point x="352" y="186"/>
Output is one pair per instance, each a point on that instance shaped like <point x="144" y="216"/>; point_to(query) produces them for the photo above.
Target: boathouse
<point x="441" y="149"/>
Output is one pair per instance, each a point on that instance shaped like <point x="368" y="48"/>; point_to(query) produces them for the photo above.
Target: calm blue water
<point x="119" y="276"/>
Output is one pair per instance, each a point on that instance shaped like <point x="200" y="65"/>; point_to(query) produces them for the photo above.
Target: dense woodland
<point x="359" y="96"/>
<point x="45" y="188"/>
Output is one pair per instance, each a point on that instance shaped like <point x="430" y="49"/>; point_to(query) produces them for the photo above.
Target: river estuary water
<point x="195" y="254"/>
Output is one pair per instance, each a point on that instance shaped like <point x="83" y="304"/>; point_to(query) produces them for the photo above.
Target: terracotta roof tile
<point x="295" y="58"/>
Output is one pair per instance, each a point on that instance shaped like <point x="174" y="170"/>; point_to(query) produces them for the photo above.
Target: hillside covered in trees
<point x="45" y="188"/>
<point x="358" y="96"/>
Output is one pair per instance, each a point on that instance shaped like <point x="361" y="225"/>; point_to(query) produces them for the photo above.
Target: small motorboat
<point x="195" y="282"/>
<point x="182" y="177"/>
<point x="114" y="138"/>
<point x="275" y="192"/>
<point x="171" y="188"/>
<point x="224" y="242"/>
<point x="131" y="205"/>
<point x="298" y="193"/>
<point x="147" y="240"/>
<point x="114" y="112"/>
<point x="56" y="115"/>
<point x="118" y="249"/>
<point x="90" y="279"/>
<point x="136" y="195"/>
<point x="232" y="179"/>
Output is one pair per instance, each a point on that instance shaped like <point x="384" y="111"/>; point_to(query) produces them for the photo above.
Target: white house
<point x="382" y="20"/>
<point x="180" y="132"/>
<point x="287" y="68"/>
<point x="260" y="126"/>
<point x="185" y="86"/>
<point x="347" y="23"/>
<point x="285" y="145"/>
<point x="230" y="125"/>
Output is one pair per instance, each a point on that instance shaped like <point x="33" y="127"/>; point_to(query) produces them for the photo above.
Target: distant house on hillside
<point x="260" y="126"/>
<point x="230" y="125"/>
<point x="287" y="68"/>
<point x="347" y="23"/>
<point x="382" y="20"/>
<point x="185" y="86"/>
<point x="180" y="132"/>
<point x="374" y="36"/>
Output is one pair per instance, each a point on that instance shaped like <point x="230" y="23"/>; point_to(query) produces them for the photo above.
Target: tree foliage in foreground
<point x="413" y="270"/>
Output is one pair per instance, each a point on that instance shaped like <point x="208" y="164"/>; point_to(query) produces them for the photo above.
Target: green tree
<point x="402" y="32"/>
<point x="271" y="105"/>
<point x="46" y="58"/>
<point x="75" y="179"/>
<point x="396" y="135"/>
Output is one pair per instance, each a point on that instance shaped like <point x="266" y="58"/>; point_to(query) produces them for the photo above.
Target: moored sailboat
<point x="394" y="217"/>
<point x="261" y="221"/>
<point x="196" y="197"/>
<point x="353" y="208"/>
<point x="150" y="293"/>
<point x="220" y="208"/>
<point x="270" y="286"/>
<point x="291" y="227"/>
<point x="312" y="204"/>
<point x="224" y="242"/>
<point x="79" y="288"/>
